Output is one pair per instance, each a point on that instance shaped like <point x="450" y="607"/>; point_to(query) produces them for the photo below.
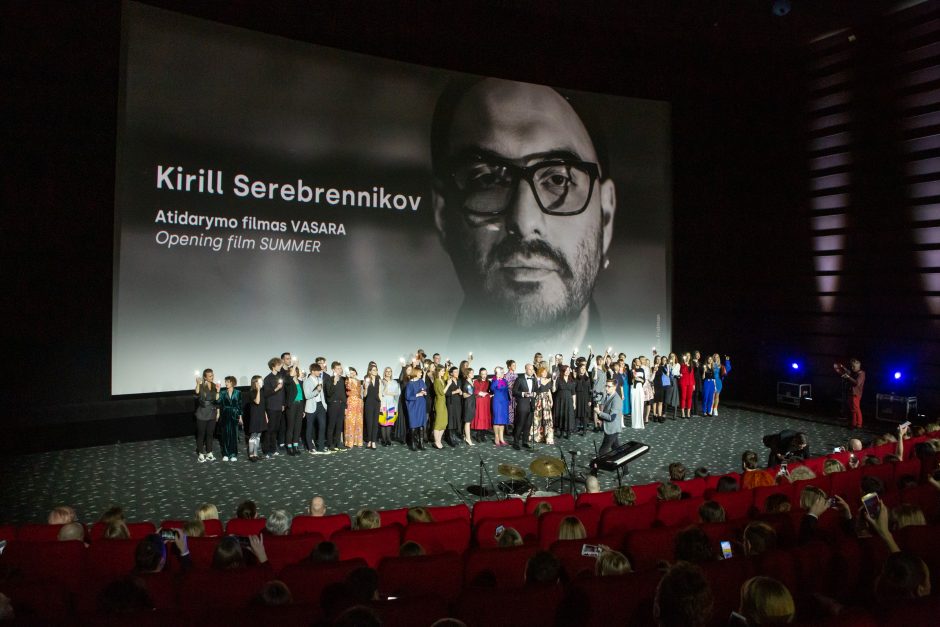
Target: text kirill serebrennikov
<point x="298" y="234"/>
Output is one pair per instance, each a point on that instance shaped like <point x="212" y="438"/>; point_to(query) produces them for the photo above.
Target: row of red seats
<point x="843" y="570"/>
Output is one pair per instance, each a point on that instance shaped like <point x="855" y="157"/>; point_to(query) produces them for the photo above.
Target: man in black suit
<point x="274" y="401"/>
<point x="287" y="361"/>
<point x="786" y="445"/>
<point x="524" y="391"/>
<point x="334" y="386"/>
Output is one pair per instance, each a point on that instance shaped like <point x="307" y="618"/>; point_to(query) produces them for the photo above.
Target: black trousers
<point x="335" y="414"/>
<point x="522" y="426"/>
<point x="611" y="441"/>
<point x="370" y="422"/>
<point x="205" y="429"/>
<point x="295" y="421"/>
<point x="275" y="426"/>
<point x="316" y="423"/>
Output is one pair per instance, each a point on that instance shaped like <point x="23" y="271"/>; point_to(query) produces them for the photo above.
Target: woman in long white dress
<point x="637" y="397"/>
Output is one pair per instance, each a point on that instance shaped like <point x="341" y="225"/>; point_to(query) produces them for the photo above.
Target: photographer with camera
<point x="786" y="445"/>
<point x="607" y="411"/>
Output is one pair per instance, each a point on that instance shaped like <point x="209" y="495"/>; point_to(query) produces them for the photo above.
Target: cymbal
<point x="511" y="470"/>
<point x="547" y="467"/>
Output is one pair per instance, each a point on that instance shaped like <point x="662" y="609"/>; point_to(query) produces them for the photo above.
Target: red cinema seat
<point x="441" y="513"/>
<point x="813" y="563"/>
<point x="440" y="575"/>
<point x="307" y="581"/>
<point x="162" y="589"/>
<point x="505" y="567"/>
<point x="846" y="484"/>
<point x="682" y="512"/>
<point x="62" y="563"/>
<point x="925" y="497"/>
<point x="369" y="544"/>
<point x="285" y="550"/>
<point x="244" y="526"/>
<point x="137" y="530"/>
<point x="598" y="500"/>
<point x="645" y="493"/>
<point x="485" y="532"/>
<point x="647" y="547"/>
<point x="394" y="516"/>
<point x="693" y="487"/>
<point x="8" y="532"/>
<point x="508" y="508"/>
<point x="37" y="533"/>
<point x="440" y="537"/>
<point x="38" y="602"/>
<point x="842" y="457"/>
<point x="778" y="564"/>
<point x="907" y="467"/>
<point x="224" y="589"/>
<point x="110" y="559"/>
<point x="411" y="611"/>
<point x="816" y="465"/>
<point x="725" y="578"/>
<point x="569" y="553"/>
<point x="560" y="503"/>
<point x="532" y="605"/>
<point x="721" y="531"/>
<point x="326" y="526"/>
<point x="736" y="504"/>
<point x="619" y="520"/>
<point x="885" y="449"/>
<point x="551" y="521"/>
<point x="923" y="541"/>
<point x="201" y="551"/>
<point x="634" y="595"/>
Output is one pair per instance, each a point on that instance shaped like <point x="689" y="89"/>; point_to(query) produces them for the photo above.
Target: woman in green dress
<point x="230" y="415"/>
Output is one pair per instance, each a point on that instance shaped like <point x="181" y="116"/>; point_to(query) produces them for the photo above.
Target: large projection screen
<point x="273" y="195"/>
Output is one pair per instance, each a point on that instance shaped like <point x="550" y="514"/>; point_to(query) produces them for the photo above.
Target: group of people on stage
<point x="330" y="409"/>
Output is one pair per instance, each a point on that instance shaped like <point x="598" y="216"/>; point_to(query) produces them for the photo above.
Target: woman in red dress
<point x="483" y="417"/>
<point x="686" y="385"/>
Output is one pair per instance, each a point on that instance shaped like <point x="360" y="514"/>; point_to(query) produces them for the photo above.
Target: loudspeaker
<point x="891" y="408"/>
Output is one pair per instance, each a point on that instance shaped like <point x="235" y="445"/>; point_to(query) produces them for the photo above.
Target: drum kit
<point x="517" y="482"/>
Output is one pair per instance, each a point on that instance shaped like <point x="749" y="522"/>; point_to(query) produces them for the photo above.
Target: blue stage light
<point x="795" y="366"/>
<point x="897" y="375"/>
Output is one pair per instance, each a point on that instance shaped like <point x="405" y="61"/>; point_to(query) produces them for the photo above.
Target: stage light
<point x="897" y="375"/>
<point x="795" y="366"/>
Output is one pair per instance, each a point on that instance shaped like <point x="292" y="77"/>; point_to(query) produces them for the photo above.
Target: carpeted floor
<point x="161" y="479"/>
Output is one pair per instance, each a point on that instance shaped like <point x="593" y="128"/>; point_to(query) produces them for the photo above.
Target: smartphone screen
<point x="499" y="530"/>
<point x="872" y="504"/>
<point x="590" y="550"/>
<point x="726" y="552"/>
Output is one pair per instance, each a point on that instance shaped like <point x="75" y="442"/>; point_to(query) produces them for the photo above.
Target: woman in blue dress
<point x="499" y="387"/>
<point x="709" y="385"/>
<point x="416" y="400"/>
<point x="721" y="371"/>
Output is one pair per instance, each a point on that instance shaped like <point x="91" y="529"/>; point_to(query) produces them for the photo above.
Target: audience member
<point x="592" y="485"/>
<point x="508" y="537"/>
<point x="786" y="445"/>
<point x="246" y="510"/>
<point x="872" y="460"/>
<point x="701" y="473"/>
<point x="278" y="523"/>
<point x="624" y="495"/>
<point x="411" y="549"/>
<point x="907" y="515"/>
<point x="71" y="531"/>
<point x="692" y="545"/>
<point x="543" y="507"/>
<point x="275" y="593"/>
<point x="367" y="519"/>
<point x="542" y="568"/>
<point x="128" y="594"/>
<point x="777" y="504"/>
<point x="363" y="582"/>
<point x="112" y="514"/>
<point x="207" y="511"/>
<point x="324" y="552"/>
<point x="711" y="512"/>
<point x="832" y="465"/>
<point x="419" y="514"/>
<point x="903" y="577"/>
<point x="61" y="515"/>
<point x="611" y="563"/>
<point x="571" y="528"/>
<point x="801" y="473"/>
<point x="317" y="506"/>
<point x="815" y="502"/>
<point x="116" y="530"/>
<point x="683" y="598"/>
<point x="151" y="553"/>
<point x="766" y="601"/>
<point x="758" y="538"/>
<point x="676" y="472"/>
<point x="726" y="484"/>
<point x="752" y="476"/>
<point x="668" y="492"/>
<point x="194" y="528"/>
<point x="229" y="553"/>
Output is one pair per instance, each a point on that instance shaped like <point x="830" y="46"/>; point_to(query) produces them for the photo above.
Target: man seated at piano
<point x="609" y="412"/>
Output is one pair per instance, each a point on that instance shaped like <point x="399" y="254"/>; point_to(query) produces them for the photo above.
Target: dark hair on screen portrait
<point x="458" y="87"/>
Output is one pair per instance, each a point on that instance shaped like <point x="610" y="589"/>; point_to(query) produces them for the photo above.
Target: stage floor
<point x="161" y="479"/>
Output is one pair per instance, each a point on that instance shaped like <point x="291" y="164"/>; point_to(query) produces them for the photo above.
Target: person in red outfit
<point x="686" y="385"/>
<point x="855" y="377"/>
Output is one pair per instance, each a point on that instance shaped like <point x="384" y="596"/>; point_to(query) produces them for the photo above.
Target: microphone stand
<point x="483" y="469"/>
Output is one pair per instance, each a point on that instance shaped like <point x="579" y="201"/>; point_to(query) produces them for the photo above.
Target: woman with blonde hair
<point x="389" y="393"/>
<point x="907" y="515"/>
<point x="832" y="465"/>
<point x="571" y="529"/>
<point x="207" y="511"/>
<point x="766" y="601"/>
<point x="367" y="519"/>
<point x="352" y="423"/>
<point x="624" y="496"/>
<point x="611" y="563"/>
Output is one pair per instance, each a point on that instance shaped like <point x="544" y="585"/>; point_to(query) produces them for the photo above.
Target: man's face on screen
<point x="533" y="259"/>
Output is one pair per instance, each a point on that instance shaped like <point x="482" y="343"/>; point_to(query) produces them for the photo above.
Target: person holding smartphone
<point x="257" y="418"/>
<point x="315" y="410"/>
<point x="275" y="400"/>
